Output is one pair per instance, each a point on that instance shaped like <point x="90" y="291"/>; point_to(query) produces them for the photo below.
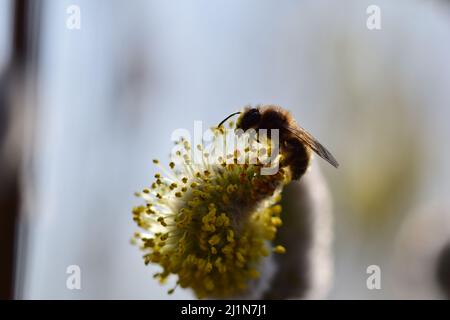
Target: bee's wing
<point x="311" y="142"/>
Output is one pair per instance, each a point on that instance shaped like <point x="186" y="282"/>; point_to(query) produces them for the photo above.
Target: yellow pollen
<point x="279" y="249"/>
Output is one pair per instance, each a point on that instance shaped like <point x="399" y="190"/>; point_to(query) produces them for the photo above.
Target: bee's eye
<point x="250" y="119"/>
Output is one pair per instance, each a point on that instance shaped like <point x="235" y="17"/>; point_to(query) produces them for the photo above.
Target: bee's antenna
<point x="233" y="114"/>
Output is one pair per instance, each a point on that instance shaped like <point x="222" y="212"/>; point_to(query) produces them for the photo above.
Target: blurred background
<point x="84" y="111"/>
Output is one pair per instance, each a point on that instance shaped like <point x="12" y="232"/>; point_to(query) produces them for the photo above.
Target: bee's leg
<point x="296" y="156"/>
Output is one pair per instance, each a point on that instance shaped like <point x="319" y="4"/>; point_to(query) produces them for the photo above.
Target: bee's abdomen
<point x="296" y="156"/>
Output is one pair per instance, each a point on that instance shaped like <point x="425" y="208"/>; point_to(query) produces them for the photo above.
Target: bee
<point x="296" y="144"/>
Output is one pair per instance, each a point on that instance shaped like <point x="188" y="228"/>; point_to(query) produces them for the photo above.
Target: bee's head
<point x="249" y="118"/>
